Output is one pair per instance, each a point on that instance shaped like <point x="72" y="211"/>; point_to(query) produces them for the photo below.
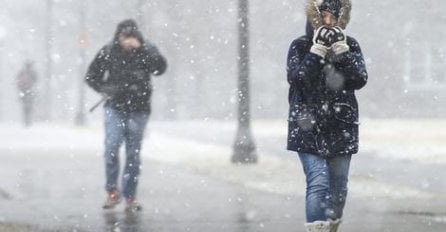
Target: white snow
<point x="420" y="140"/>
<point x="273" y="173"/>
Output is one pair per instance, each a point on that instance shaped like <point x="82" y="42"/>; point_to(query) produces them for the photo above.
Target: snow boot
<point x="132" y="206"/>
<point x="318" y="226"/>
<point x="334" y="224"/>
<point x="113" y="198"/>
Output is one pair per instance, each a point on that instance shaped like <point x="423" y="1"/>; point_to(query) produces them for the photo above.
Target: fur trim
<point x="318" y="226"/>
<point x="344" y="16"/>
<point x="313" y="13"/>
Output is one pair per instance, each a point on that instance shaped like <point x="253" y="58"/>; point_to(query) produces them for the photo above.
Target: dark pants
<point x="27" y="106"/>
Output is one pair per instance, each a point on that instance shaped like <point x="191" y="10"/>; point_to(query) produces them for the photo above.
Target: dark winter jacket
<point x="323" y="113"/>
<point x="125" y="76"/>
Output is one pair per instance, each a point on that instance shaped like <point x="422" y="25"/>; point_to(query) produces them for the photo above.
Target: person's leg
<point x="135" y="126"/>
<point x="26" y="103"/>
<point x="30" y="109"/>
<point x="338" y="170"/>
<point x="25" y="113"/>
<point x="317" y="178"/>
<point x="114" y="136"/>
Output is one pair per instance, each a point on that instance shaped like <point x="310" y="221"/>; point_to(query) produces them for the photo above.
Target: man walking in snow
<point x="121" y="71"/>
<point x="325" y="68"/>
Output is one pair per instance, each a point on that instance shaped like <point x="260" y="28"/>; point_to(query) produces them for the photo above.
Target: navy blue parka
<point x="323" y="110"/>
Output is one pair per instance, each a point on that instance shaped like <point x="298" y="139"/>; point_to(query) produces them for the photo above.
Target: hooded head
<point x="339" y="8"/>
<point x="127" y="28"/>
<point x="333" y="6"/>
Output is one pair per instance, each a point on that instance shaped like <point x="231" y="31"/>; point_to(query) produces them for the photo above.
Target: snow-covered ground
<point x="422" y="141"/>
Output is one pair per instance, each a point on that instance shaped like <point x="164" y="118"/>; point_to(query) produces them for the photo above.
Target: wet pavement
<point x="53" y="192"/>
<point x="61" y="189"/>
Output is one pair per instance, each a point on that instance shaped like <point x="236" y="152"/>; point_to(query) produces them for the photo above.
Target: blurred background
<point x="51" y="174"/>
<point x="402" y="42"/>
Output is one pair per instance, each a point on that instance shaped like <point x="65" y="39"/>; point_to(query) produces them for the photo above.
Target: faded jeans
<point x="129" y="128"/>
<point x="326" y="186"/>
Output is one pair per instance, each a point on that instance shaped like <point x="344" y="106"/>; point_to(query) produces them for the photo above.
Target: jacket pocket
<point x="304" y="116"/>
<point x="340" y="134"/>
<point x="345" y="113"/>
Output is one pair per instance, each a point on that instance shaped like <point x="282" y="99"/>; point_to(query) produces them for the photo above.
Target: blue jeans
<point x="129" y="128"/>
<point x="326" y="186"/>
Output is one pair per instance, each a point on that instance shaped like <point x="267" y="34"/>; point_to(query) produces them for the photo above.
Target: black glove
<point x="322" y="41"/>
<point x="324" y="36"/>
<point x="339" y="45"/>
<point x="338" y="34"/>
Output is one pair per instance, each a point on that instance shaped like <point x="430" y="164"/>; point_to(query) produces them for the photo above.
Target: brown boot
<point x="113" y="198"/>
<point x="132" y="205"/>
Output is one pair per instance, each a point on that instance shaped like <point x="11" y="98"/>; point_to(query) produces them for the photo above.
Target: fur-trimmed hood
<point x="314" y="18"/>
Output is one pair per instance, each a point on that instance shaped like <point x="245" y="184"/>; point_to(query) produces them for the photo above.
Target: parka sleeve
<point x="97" y="69"/>
<point x="301" y="64"/>
<point x="155" y="63"/>
<point x="352" y="66"/>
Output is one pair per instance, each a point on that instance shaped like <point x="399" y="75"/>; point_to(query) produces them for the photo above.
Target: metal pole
<point x="80" y="116"/>
<point x="48" y="71"/>
<point x="1" y="74"/>
<point x="176" y="19"/>
<point x="244" y="147"/>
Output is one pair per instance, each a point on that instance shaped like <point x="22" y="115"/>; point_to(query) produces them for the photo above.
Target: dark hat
<point x="332" y="6"/>
<point x="127" y="27"/>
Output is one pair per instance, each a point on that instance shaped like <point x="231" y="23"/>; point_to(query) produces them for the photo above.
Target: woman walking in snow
<point x="325" y="67"/>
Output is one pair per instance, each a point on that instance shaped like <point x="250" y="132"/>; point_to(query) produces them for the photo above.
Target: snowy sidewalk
<point x="186" y="185"/>
<point x="274" y="174"/>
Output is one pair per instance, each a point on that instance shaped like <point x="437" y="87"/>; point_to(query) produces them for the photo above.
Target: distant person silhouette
<point x="26" y="80"/>
<point x="121" y="71"/>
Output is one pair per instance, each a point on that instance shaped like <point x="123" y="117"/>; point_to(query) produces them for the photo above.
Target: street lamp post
<point x="48" y="50"/>
<point x="83" y="43"/>
<point x="244" y="147"/>
<point x="2" y="35"/>
<point x="177" y="19"/>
